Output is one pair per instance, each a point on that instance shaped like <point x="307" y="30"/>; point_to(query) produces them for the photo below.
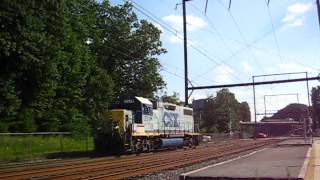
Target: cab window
<point x="147" y="109"/>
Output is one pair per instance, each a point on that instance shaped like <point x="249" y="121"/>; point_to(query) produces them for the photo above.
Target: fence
<point x="29" y="146"/>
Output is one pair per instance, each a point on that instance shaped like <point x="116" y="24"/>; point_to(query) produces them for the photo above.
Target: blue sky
<point x="231" y="46"/>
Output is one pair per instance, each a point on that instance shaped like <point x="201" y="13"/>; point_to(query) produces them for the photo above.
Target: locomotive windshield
<point x="147" y="109"/>
<point x="138" y="105"/>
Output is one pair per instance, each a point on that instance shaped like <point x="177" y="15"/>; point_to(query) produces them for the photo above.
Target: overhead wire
<point x="248" y="46"/>
<point x="289" y="59"/>
<point x="204" y="78"/>
<point x="241" y="34"/>
<point x="272" y="25"/>
<point x="254" y="42"/>
<point x="233" y="55"/>
<point x="160" y="22"/>
<point x="135" y="58"/>
<point x="175" y="32"/>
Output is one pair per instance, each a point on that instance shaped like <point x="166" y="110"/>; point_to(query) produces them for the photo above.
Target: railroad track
<point x="129" y="166"/>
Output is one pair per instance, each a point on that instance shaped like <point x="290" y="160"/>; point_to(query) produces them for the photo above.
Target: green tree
<point x="174" y="98"/>
<point x="128" y="48"/>
<point x="27" y="53"/>
<point x="315" y="99"/>
<point x="49" y="74"/>
<point x="244" y="112"/>
<point x="221" y="113"/>
<point x="61" y="61"/>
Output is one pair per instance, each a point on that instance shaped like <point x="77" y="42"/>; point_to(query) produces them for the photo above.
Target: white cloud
<point x="296" y="23"/>
<point x="295" y="15"/>
<point x="246" y="66"/>
<point x="194" y="22"/>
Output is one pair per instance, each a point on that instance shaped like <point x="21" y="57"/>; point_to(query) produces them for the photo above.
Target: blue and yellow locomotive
<point x="143" y="125"/>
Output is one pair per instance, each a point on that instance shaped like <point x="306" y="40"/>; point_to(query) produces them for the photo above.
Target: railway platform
<point x="313" y="171"/>
<point x="290" y="159"/>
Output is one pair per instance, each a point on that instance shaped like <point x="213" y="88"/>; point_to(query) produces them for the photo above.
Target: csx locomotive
<point x="143" y="125"/>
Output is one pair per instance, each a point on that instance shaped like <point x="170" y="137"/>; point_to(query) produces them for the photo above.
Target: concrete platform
<point x="313" y="171"/>
<point x="294" y="141"/>
<point x="279" y="162"/>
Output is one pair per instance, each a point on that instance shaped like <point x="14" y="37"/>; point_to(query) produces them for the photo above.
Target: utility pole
<point x="254" y="105"/>
<point x="186" y="98"/>
<point x="230" y="122"/>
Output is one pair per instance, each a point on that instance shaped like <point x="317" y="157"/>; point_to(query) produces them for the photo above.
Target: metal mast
<point x="185" y="53"/>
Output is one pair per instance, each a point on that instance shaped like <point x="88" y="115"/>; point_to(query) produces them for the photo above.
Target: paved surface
<point x="313" y="172"/>
<point x="278" y="162"/>
<point x="296" y="141"/>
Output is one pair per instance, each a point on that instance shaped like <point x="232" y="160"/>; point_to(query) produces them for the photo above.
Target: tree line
<point x="62" y="62"/>
<point x="222" y="113"/>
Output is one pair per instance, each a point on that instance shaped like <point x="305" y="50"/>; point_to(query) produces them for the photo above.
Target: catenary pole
<point x="186" y="98"/>
<point x="255" y="111"/>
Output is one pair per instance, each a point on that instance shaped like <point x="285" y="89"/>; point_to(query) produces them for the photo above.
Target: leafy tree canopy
<point x="244" y="112"/>
<point x="223" y="113"/>
<point x="62" y="62"/>
<point x="128" y="49"/>
<point x="174" y="98"/>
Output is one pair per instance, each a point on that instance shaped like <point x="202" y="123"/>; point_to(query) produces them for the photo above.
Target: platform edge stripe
<point x="303" y="170"/>
<point x="224" y="162"/>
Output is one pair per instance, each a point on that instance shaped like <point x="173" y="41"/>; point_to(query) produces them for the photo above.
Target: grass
<point x="17" y="148"/>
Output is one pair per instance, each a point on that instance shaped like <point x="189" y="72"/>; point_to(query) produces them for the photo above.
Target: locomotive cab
<point x="129" y="117"/>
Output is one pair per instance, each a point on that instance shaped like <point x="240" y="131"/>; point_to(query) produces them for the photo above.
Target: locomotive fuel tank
<point x="172" y="142"/>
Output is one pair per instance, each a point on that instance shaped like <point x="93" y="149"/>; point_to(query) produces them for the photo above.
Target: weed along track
<point x="130" y="166"/>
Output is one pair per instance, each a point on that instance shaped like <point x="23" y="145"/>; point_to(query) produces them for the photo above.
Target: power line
<point x="172" y="73"/>
<point x="239" y="51"/>
<point x="191" y="45"/>
<point x="256" y="48"/>
<point x="193" y="80"/>
<point x="175" y="32"/>
<point x="274" y="33"/>
<point x="283" y="57"/>
<point x="135" y="58"/>
<point x="172" y="30"/>
<point x="220" y="36"/>
<point x="163" y="69"/>
<point x="241" y="34"/>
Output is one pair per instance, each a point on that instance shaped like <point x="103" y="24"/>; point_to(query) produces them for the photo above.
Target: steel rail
<point x="51" y="163"/>
<point x="93" y="169"/>
<point x="177" y="163"/>
<point x="84" y="163"/>
<point x="124" y="167"/>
